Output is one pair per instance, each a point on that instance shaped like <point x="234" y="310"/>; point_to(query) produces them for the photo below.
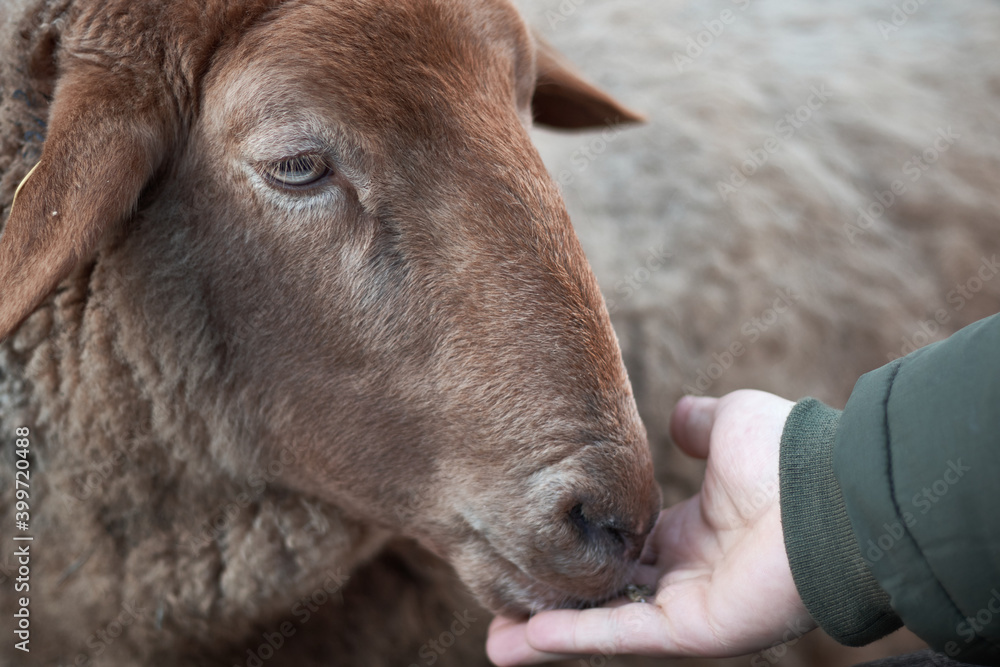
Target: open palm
<point x="718" y="561"/>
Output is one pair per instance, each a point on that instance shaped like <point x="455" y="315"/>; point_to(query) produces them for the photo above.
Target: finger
<point x="691" y="424"/>
<point x="632" y="628"/>
<point x="678" y="539"/>
<point x="507" y="644"/>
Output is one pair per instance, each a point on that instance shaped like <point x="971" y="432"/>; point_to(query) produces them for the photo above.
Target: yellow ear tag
<point x="21" y="185"/>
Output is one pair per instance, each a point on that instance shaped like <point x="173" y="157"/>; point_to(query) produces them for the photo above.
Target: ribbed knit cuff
<point x="838" y="589"/>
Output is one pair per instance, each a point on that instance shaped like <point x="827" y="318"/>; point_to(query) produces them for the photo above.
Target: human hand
<point x="724" y="586"/>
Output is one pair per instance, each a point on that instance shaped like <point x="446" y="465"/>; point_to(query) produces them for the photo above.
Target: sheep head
<point x="342" y="199"/>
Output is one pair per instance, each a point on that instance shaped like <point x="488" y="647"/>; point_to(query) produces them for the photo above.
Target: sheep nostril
<point x="577" y="518"/>
<point x="605" y="532"/>
<point x="617" y="536"/>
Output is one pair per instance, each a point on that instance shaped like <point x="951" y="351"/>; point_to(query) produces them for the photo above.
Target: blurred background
<point x="818" y="186"/>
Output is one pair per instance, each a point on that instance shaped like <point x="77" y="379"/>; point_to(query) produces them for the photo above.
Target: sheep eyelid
<point x="297" y="172"/>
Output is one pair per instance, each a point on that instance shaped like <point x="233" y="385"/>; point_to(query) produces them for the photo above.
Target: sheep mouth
<point x="515" y="591"/>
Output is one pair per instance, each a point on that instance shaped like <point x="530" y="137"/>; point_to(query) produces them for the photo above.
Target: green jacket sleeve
<point x="890" y="508"/>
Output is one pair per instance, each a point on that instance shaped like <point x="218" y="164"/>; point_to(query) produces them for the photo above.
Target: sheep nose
<point x="610" y="531"/>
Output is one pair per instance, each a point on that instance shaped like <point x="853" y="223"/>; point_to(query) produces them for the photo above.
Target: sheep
<point x="739" y="249"/>
<point x="786" y="266"/>
<point x="287" y="292"/>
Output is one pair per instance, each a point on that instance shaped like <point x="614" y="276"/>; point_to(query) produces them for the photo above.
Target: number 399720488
<point x="22" y="476"/>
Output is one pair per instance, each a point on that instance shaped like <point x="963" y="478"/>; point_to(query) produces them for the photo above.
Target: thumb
<point x="633" y="628"/>
<point x="691" y="424"/>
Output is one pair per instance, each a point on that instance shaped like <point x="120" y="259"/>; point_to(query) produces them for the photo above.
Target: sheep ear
<point x="564" y="99"/>
<point x="106" y="138"/>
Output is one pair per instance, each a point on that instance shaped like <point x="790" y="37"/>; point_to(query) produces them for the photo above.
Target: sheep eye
<point x="296" y="172"/>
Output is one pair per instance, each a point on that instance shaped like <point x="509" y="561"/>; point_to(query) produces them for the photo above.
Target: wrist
<point x="829" y="570"/>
